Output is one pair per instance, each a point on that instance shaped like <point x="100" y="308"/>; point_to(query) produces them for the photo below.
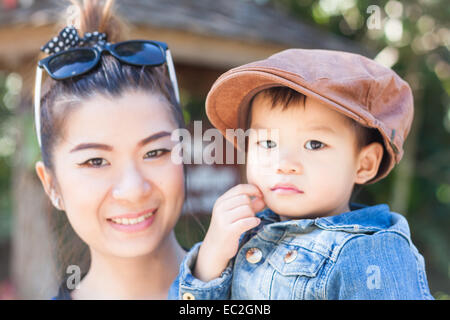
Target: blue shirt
<point x="366" y="253"/>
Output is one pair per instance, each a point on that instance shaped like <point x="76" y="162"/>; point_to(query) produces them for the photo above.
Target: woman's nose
<point x="132" y="186"/>
<point x="289" y="163"/>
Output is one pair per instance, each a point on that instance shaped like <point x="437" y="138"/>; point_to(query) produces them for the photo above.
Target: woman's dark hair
<point x="110" y="78"/>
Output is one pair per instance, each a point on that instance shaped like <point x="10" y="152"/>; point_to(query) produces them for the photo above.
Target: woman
<point x="104" y="125"/>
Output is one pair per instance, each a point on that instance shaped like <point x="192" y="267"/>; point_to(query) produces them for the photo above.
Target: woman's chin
<point x="133" y="249"/>
<point x="127" y="246"/>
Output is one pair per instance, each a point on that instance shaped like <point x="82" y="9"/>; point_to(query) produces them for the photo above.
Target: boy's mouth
<point x="286" y="188"/>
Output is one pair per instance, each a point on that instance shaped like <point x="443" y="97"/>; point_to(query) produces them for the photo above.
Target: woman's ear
<point x="368" y="162"/>
<point x="49" y="185"/>
<point x="45" y="176"/>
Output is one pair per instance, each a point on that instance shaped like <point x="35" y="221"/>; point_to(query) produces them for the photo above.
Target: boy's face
<point x="303" y="158"/>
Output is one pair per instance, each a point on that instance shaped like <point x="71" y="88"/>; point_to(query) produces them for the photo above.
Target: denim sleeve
<point x="381" y="266"/>
<point x="186" y="286"/>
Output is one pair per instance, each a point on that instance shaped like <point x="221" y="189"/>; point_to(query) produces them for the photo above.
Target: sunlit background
<point x="207" y="37"/>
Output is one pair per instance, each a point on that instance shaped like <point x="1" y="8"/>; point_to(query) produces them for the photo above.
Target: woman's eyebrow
<point x="83" y="146"/>
<point x="153" y="137"/>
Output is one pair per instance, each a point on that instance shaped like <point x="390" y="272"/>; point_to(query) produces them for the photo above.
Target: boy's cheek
<point x="250" y="175"/>
<point x="256" y="177"/>
<point x="258" y="168"/>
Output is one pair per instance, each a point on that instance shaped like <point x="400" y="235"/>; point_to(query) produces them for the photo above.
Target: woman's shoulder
<point x="66" y="288"/>
<point x="64" y="293"/>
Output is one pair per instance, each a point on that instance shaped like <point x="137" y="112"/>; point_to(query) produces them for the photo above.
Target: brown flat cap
<point x="358" y="87"/>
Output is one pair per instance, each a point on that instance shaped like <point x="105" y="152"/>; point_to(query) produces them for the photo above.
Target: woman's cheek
<point x="83" y="221"/>
<point x="83" y="203"/>
<point x="86" y="188"/>
<point x="171" y="183"/>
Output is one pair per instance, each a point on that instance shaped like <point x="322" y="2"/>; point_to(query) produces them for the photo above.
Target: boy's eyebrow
<point x="256" y="126"/>
<point x="143" y="142"/>
<point x="311" y="128"/>
<point x="321" y="128"/>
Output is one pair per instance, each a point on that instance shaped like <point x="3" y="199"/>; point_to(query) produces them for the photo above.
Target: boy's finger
<point x="234" y="202"/>
<point x="248" y="189"/>
<point x="254" y="202"/>
<point x="245" y="224"/>
<point x="239" y="213"/>
<point x="258" y="204"/>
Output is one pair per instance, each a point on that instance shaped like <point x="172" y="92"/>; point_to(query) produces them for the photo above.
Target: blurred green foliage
<point x="9" y="95"/>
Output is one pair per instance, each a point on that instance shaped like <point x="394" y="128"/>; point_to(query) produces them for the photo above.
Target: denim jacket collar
<point x="360" y="219"/>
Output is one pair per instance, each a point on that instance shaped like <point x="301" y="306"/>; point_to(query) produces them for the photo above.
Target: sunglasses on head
<point x="78" y="61"/>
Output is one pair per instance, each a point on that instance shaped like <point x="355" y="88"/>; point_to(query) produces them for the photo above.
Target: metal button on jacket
<point x="188" y="296"/>
<point x="253" y="255"/>
<point x="290" y="256"/>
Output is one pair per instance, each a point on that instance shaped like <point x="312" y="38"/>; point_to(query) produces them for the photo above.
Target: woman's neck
<point x="145" y="277"/>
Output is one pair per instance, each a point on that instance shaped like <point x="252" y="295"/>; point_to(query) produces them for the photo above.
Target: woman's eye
<point x="314" y="145"/>
<point x="156" y="153"/>
<point x="95" y="162"/>
<point x="268" y="144"/>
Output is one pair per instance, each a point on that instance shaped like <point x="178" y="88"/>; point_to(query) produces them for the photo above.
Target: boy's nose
<point x="289" y="164"/>
<point x="132" y="186"/>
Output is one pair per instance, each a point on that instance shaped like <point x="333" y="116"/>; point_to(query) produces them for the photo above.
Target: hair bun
<point x="96" y="15"/>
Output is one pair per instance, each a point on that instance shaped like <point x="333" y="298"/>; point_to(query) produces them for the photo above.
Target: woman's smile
<point x="133" y="222"/>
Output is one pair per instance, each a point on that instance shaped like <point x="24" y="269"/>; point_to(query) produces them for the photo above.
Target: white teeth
<point x="126" y="221"/>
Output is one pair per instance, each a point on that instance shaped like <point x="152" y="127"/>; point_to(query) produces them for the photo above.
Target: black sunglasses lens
<point x="140" y="53"/>
<point x="71" y="63"/>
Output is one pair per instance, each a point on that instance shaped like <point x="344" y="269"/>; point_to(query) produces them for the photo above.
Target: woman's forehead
<point x="132" y="114"/>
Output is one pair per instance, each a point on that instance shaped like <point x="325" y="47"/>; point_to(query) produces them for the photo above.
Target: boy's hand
<point x="233" y="214"/>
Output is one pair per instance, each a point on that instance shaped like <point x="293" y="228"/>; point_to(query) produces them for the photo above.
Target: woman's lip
<point x="132" y="215"/>
<point x="131" y="228"/>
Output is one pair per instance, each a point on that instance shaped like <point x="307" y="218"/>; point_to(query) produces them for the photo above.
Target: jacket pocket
<point x="292" y="260"/>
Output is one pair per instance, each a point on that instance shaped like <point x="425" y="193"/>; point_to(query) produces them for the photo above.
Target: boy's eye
<point x="95" y="162"/>
<point x="268" y="144"/>
<point x="156" y="153"/>
<point x="314" y="145"/>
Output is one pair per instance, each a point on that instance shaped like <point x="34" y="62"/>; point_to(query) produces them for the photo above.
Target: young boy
<point x="321" y="122"/>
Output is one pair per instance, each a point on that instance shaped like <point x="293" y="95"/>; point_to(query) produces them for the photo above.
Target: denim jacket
<point x="365" y="253"/>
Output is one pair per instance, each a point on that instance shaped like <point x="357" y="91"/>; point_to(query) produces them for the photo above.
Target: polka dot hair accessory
<point x="68" y="38"/>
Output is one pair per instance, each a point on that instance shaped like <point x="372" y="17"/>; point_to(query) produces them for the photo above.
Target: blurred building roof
<point x="212" y="32"/>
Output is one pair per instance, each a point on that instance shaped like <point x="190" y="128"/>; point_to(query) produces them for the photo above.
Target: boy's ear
<point x="369" y="160"/>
